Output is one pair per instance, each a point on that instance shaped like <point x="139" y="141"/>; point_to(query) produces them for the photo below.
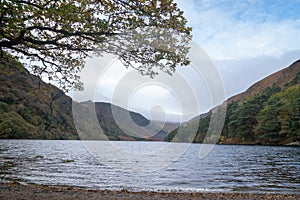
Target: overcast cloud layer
<point x="246" y="40"/>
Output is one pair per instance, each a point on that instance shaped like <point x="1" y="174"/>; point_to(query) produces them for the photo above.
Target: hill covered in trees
<point x="33" y="109"/>
<point x="267" y="113"/>
<point x="30" y="108"/>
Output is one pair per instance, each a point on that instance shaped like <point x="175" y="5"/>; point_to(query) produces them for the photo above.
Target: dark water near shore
<point x="226" y="168"/>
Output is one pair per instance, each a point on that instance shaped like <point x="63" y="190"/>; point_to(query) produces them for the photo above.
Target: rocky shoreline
<point x="18" y="191"/>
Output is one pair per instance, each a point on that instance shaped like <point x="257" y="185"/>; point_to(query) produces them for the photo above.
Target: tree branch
<point x="43" y="60"/>
<point x="76" y="33"/>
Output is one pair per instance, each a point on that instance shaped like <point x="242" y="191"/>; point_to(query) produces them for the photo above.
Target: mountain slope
<point x="279" y="79"/>
<point x="267" y="113"/>
<point x="117" y="123"/>
<point x="33" y="109"/>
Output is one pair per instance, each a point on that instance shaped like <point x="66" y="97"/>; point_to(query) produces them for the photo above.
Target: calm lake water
<point x="134" y="166"/>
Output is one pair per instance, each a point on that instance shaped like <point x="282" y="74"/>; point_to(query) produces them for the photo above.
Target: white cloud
<point x="246" y="40"/>
<point x="240" y="31"/>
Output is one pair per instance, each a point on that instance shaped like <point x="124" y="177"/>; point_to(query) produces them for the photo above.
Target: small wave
<point x="189" y="190"/>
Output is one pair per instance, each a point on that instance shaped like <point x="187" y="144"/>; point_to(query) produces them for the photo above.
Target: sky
<point x="241" y="41"/>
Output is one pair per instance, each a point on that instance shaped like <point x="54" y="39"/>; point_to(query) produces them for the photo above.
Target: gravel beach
<point x="18" y="191"/>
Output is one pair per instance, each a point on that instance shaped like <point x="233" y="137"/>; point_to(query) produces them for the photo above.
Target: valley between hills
<point x="268" y="113"/>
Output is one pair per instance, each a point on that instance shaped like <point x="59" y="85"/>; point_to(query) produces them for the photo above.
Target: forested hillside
<point x="33" y="109"/>
<point x="267" y="113"/>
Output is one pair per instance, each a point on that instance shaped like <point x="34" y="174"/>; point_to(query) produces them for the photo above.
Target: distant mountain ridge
<point x="132" y="124"/>
<point x="33" y="109"/>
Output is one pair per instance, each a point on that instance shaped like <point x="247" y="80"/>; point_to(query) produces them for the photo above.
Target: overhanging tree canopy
<point x="149" y="35"/>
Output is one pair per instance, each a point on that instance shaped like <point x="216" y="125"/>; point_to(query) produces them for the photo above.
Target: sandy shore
<point x="17" y="191"/>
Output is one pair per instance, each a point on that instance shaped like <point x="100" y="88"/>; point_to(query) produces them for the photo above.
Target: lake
<point x="151" y="166"/>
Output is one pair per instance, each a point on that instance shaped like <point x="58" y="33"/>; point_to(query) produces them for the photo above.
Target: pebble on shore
<point x="31" y="191"/>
